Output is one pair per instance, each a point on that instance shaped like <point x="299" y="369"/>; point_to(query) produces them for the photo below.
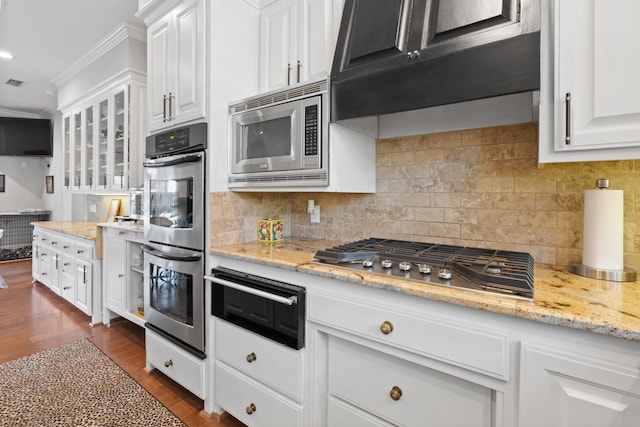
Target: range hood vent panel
<point x="491" y="48"/>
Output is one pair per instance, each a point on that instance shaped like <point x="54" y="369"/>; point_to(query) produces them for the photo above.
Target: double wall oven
<point x="174" y="232"/>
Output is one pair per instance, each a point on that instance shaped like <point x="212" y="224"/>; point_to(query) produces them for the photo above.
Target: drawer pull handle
<point x="251" y="408"/>
<point x="168" y="363"/>
<point x="120" y="276"/>
<point x="386" y="327"/>
<point x="79" y="251"/>
<point x="395" y="393"/>
<point x="120" y="233"/>
<point x="65" y="247"/>
<point x="251" y="357"/>
<point x="66" y="288"/>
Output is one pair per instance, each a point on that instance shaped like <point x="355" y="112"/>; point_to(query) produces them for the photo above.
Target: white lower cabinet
<point x="340" y="413"/>
<point x="66" y="264"/>
<point x="176" y="363"/>
<point x="258" y="381"/>
<point x="378" y="358"/>
<point x="68" y="279"/>
<point x="402" y="392"/>
<point x="560" y="388"/>
<point x="251" y="402"/>
<point x="84" y="284"/>
<point x="123" y="274"/>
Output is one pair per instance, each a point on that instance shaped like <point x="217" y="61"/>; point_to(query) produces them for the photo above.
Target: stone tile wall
<point x="480" y="187"/>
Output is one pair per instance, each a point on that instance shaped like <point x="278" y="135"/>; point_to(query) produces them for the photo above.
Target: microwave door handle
<point x="159" y="254"/>
<point x="257" y="292"/>
<point x="186" y="159"/>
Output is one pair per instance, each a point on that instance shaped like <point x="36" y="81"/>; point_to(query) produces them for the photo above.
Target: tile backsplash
<point x="479" y="187"/>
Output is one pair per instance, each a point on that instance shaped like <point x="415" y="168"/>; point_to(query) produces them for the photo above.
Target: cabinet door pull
<point x="84" y="274"/>
<point x="168" y="363"/>
<point x="120" y="276"/>
<point x="251" y="357"/>
<point x="251" y="408"/>
<point x="567" y="137"/>
<point x="66" y="288"/>
<point x="288" y="74"/>
<point x="299" y="67"/>
<point x="395" y="393"/>
<point x="164" y="108"/>
<point x="171" y="117"/>
<point x="386" y="327"/>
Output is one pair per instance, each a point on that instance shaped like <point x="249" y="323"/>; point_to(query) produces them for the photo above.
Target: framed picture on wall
<point x="49" y="182"/>
<point x="1" y="183"/>
<point x="114" y="207"/>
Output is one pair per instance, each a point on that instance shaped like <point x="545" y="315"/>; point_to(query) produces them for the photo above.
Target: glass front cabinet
<point x="103" y="140"/>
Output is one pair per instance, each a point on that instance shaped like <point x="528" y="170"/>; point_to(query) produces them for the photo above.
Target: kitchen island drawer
<point x="273" y="364"/>
<point x="402" y="392"/>
<point x="84" y="250"/>
<point x="252" y="403"/>
<point x="176" y="363"/>
<point x="484" y="351"/>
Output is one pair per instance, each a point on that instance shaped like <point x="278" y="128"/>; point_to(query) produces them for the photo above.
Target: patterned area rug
<point x="75" y="385"/>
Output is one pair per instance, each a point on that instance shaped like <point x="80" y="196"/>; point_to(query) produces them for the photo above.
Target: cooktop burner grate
<point x="496" y="271"/>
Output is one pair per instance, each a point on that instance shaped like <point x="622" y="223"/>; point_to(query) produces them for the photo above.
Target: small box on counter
<point x="270" y="230"/>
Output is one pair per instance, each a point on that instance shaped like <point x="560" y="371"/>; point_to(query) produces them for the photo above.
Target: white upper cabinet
<point x="297" y="41"/>
<point x="102" y="140"/>
<point x="176" y="59"/>
<point x="590" y="97"/>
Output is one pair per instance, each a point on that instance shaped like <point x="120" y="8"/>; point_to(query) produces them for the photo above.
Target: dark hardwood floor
<point x="33" y="319"/>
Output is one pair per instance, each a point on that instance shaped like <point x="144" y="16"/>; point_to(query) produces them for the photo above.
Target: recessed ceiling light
<point x="5" y="55"/>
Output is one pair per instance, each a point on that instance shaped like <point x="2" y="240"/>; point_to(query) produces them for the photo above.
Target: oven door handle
<point x="159" y="254"/>
<point x="186" y="159"/>
<point x="257" y="292"/>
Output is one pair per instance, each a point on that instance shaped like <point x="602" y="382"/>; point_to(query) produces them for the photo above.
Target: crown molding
<point x="120" y="78"/>
<point x="122" y="32"/>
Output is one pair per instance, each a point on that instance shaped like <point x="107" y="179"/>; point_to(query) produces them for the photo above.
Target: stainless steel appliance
<point x="174" y="185"/>
<point x="280" y="136"/>
<point x="174" y="232"/>
<point x="174" y="293"/>
<point x="136" y="203"/>
<point x="271" y="308"/>
<point x="498" y="272"/>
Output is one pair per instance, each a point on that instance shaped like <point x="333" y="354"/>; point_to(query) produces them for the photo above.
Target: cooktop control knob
<point x="444" y="273"/>
<point x="367" y="263"/>
<point x="424" y="268"/>
<point x="386" y="263"/>
<point x="404" y="266"/>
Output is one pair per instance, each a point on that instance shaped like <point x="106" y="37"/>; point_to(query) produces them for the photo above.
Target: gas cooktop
<point x="497" y="272"/>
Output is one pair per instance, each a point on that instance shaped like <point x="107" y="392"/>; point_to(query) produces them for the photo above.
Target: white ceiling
<point x="45" y="38"/>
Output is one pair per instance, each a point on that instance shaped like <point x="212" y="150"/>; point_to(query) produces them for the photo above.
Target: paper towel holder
<point x="624" y="275"/>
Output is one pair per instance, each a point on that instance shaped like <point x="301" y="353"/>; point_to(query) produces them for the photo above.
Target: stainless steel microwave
<point x="280" y="137"/>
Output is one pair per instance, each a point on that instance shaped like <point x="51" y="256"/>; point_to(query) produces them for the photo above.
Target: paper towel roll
<point x="603" y="229"/>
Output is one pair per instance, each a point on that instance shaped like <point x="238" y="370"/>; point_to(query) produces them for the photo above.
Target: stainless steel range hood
<point x="401" y="55"/>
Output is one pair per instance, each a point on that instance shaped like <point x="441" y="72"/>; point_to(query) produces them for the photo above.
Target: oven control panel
<point x="181" y="140"/>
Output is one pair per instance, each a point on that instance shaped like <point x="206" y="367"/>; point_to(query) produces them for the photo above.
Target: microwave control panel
<point x="311" y="130"/>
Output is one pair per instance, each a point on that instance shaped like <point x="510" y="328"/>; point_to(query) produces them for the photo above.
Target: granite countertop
<point x="84" y="229"/>
<point x="560" y="297"/>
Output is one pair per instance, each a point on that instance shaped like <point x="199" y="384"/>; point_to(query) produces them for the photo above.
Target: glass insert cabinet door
<point x="66" y="149"/>
<point x="120" y="146"/>
<point x="77" y="149"/>
<point x="89" y="147"/>
<point x="103" y="142"/>
<point x="171" y="203"/>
